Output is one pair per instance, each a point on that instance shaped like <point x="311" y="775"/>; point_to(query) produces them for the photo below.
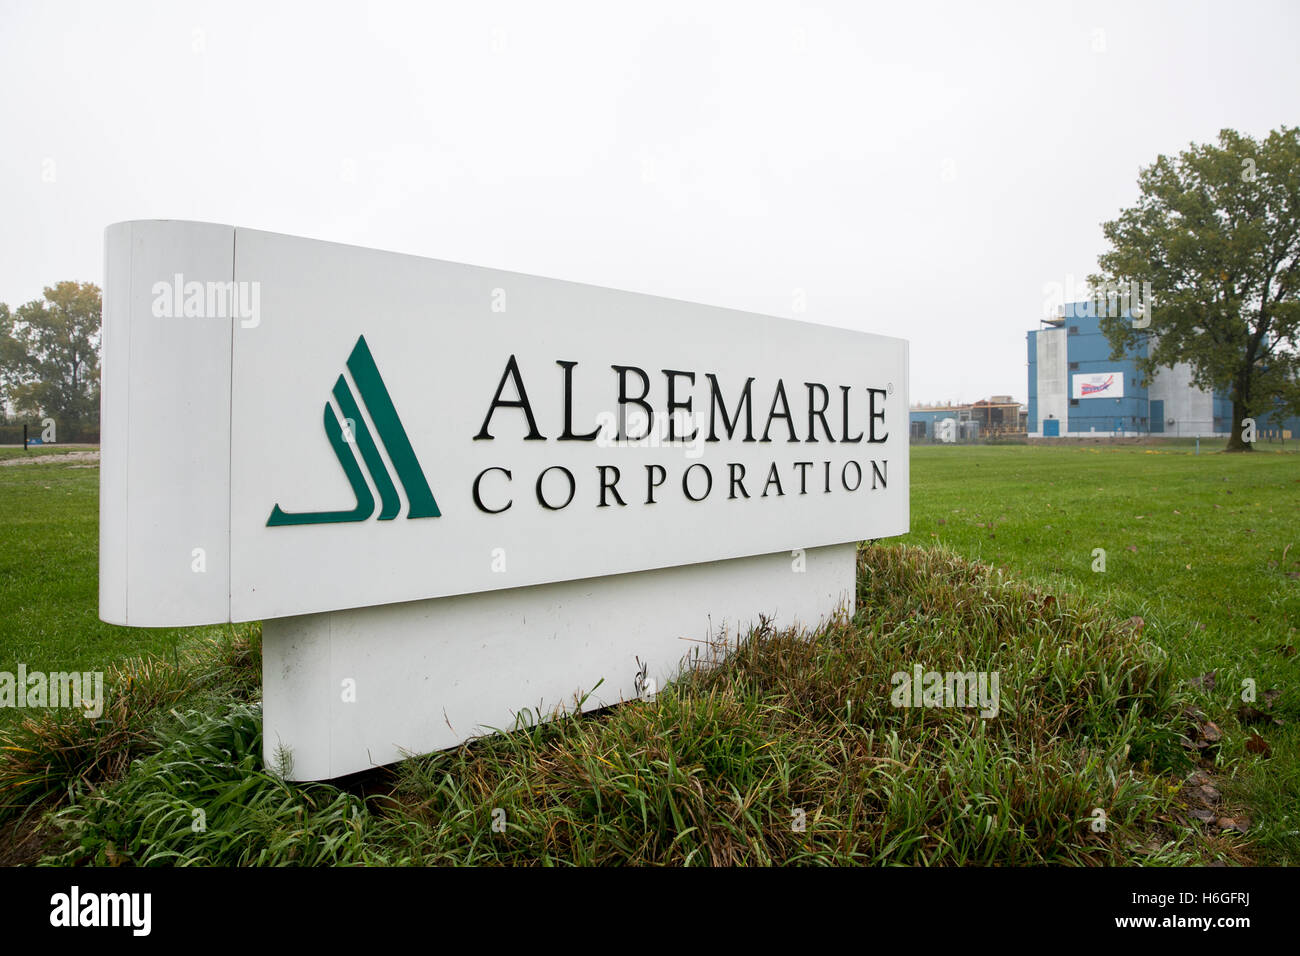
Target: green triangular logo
<point x="393" y="437"/>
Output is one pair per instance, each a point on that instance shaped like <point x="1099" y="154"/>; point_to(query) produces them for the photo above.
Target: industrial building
<point x="1076" y="390"/>
<point x="997" y="417"/>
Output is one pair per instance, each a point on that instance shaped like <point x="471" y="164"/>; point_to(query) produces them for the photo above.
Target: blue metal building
<point x="1077" y="390"/>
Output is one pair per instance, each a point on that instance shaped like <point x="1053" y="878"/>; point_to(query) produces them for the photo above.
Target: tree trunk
<point x="1235" y="442"/>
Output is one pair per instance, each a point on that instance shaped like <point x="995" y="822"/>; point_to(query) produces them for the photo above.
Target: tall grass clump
<point x="781" y="747"/>
<point x="58" y="751"/>
<point x="205" y="799"/>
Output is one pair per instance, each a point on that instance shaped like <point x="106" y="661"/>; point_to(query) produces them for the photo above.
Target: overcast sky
<point x="920" y="170"/>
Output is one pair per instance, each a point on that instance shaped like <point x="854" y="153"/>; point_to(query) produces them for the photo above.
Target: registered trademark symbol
<point x="890" y="388"/>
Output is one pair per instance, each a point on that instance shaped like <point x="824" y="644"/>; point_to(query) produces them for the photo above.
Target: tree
<point x="1216" y="233"/>
<point x="8" y="355"/>
<point x="49" y="354"/>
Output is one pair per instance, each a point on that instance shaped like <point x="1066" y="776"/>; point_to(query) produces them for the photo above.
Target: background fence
<point x="12" y="434"/>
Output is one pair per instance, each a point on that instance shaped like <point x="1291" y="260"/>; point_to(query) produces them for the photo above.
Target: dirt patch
<point x="23" y="842"/>
<point x="91" y="458"/>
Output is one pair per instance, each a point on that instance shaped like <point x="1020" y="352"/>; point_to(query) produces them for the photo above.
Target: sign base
<point x="345" y="691"/>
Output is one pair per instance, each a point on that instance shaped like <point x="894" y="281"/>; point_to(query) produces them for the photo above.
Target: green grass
<point x="49" y="578"/>
<point x="204" y="799"/>
<point x="1094" y="712"/>
<point x="1204" y="548"/>
<point x="57" y="752"/>
<point x="718" y="768"/>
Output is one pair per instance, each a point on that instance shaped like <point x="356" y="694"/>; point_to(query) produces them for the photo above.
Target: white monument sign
<point x="452" y="493"/>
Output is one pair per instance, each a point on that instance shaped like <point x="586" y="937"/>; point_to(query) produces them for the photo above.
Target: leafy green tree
<point x="8" y="353"/>
<point x="49" y="354"/>
<point x="1216" y="233"/>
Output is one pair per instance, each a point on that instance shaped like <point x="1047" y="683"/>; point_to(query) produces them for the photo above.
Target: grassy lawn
<point x="788" y="750"/>
<point x="49" y="574"/>
<point x="1204" y="548"/>
<point x="1095" y="713"/>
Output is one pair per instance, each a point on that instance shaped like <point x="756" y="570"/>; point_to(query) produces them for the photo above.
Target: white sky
<point x="921" y="170"/>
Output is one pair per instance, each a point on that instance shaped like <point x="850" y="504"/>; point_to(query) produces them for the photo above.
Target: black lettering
<point x="716" y="405"/>
<point x="686" y="477"/>
<point x="568" y="407"/>
<point x="606" y="485"/>
<point x="803" y="467"/>
<point x="541" y="498"/>
<point x="779" y="396"/>
<point x="875" y="415"/>
<point x="737" y="481"/>
<point x="844" y="434"/>
<point x="651" y="484"/>
<point x="624" y="400"/>
<point x="844" y="480"/>
<point x="877" y="473"/>
<point x="511" y="372"/>
<point x="478" y="500"/>
<point x="815" y="413"/>
<point x="773" y="478"/>
<point x="673" y="405"/>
